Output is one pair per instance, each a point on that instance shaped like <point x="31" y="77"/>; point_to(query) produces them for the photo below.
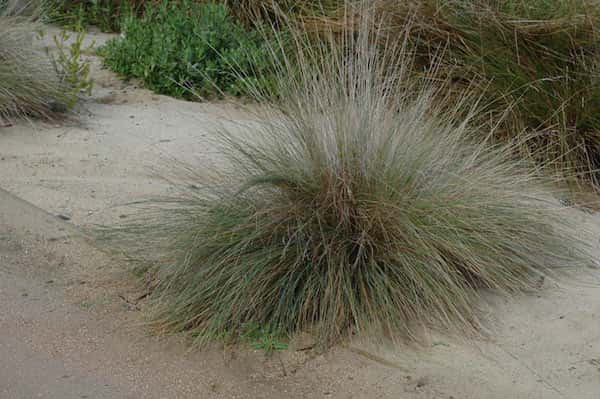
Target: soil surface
<point x="70" y="318"/>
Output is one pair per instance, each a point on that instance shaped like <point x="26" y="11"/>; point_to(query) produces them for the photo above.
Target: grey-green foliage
<point x="29" y="84"/>
<point x="354" y="203"/>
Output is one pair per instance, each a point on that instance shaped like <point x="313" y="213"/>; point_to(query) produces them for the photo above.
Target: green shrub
<point x="355" y="203"/>
<point x="186" y="49"/>
<point x="29" y="84"/>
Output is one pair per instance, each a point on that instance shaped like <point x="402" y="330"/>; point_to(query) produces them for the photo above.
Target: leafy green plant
<point x="354" y="203"/>
<point x="74" y="71"/>
<point x="186" y="50"/>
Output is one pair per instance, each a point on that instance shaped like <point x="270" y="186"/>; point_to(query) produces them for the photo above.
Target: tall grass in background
<point x="248" y="11"/>
<point x="356" y="203"/>
<point x="537" y="64"/>
<point x="79" y="14"/>
<point x="29" y="83"/>
<point x="108" y="15"/>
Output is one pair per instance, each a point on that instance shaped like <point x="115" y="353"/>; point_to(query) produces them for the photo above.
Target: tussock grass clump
<point x="29" y="83"/>
<point x="355" y="203"/>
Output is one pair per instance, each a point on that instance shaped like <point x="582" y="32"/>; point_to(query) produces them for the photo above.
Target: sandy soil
<point x="70" y="326"/>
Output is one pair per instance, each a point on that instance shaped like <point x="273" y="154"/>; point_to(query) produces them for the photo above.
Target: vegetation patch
<point x="108" y="14"/>
<point x="536" y="66"/>
<point x="185" y="49"/>
<point x="354" y="204"/>
<point x="534" y="63"/>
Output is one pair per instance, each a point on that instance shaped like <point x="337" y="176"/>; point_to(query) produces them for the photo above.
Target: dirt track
<point x="68" y="329"/>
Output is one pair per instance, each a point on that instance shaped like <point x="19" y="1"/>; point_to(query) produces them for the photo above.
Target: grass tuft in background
<point x="536" y="64"/>
<point x="29" y="84"/>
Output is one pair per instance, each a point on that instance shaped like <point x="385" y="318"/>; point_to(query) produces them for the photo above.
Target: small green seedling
<point x="74" y="71"/>
<point x="262" y="338"/>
